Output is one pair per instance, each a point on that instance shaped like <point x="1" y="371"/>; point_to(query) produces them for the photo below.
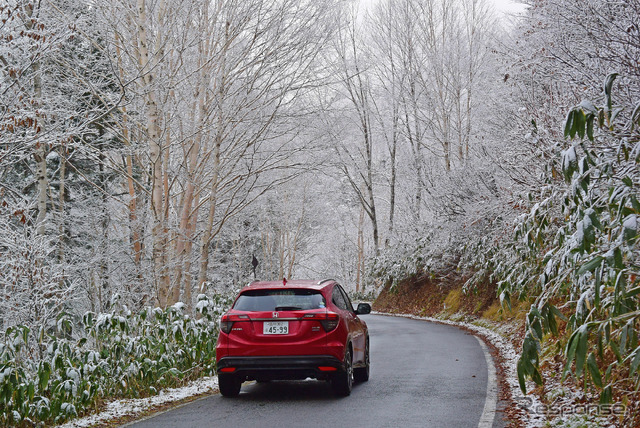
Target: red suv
<point x="293" y="330"/>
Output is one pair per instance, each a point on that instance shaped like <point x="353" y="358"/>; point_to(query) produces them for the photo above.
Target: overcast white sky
<point x="506" y="7"/>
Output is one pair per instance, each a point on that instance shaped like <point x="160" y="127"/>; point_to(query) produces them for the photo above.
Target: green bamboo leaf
<point x="615" y="260"/>
<point x="616" y="351"/>
<point x="44" y="372"/>
<point x="608" y="84"/>
<point x="570" y="352"/>
<point x="537" y="377"/>
<point x="598" y="277"/>
<point x="595" y="220"/>
<point x="557" y="313"/>
<point x="594" y="370"/>
<point x="581" y="349"/>
<point x="630" y="228"/>
<point x="606" y="395"/>
<point x="623" y="338"/>
<point x="30" y="391"/>
<point x="536" y="328"/>
<point x="635" y="362"/>
<point x="521" y="376"/>
<point x="580" y="122"/>
<point x="633" y="292"/>
<point x="553" y="325"/>
<point x="568" y="125"/>
<point x="590" y="120"/>
<point x="590" y="266"/>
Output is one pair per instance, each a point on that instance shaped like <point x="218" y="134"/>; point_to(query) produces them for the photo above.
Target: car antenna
<point x="284" y="281"/>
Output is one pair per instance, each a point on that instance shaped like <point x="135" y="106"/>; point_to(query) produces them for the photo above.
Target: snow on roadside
<point x="510" y="357"/>
<point x="132" y="407"/>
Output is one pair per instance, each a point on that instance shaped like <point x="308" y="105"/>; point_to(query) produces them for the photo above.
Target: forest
<point x="151" y="150"/>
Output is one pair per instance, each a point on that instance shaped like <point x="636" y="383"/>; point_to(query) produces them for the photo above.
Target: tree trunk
<point x="207" y="236"/>
<point x="134" y="229"/>
<point x="360" y="246"/>
<point x="40" y="157"/>
<point x="155" y="153"/>
<point x="392" y="184"/>
<point x="40" y="153"/>
<point x="213" y="198"/>
<point x="61" y="209"/>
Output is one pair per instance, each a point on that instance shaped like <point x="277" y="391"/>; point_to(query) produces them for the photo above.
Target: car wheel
<point x="361" y="374"/>
<point x="229" y="385"/>
<point x="343" y="381"/>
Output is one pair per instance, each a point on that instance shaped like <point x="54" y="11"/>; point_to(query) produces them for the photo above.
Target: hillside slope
<point x="429" y="295"/>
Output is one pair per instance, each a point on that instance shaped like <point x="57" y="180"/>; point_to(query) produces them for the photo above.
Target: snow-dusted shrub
<point x="32" y="288"/>
<point x="52" y="378"/>
<point x="579" y="246"/>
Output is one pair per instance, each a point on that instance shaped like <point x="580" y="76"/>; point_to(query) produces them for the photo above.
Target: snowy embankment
<point x="135" y="407"/>
<point x="509" y="364"/>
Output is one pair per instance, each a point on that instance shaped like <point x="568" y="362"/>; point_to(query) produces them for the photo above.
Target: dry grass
<point x="453" y="300"/>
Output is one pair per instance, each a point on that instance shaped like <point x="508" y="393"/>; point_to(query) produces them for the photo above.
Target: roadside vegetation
<point x="47" y="378"/>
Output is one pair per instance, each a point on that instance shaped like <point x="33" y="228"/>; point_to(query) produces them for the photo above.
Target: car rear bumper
<point x="281" y="368"/>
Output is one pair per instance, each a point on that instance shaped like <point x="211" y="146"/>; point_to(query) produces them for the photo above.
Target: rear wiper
<point x="287" y="308"/>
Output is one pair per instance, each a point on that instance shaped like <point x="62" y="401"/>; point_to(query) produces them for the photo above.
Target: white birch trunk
<point x="155" y="153"/>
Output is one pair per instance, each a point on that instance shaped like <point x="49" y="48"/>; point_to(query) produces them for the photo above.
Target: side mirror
<point x="363" y="309"/>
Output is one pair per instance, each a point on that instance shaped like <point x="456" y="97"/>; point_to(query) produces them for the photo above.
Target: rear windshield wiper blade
<point x="287" y="308"/>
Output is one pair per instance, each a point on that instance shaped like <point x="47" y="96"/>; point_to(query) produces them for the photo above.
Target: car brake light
<point x="225" y="324"/>
<point x="330" y="322"/>
<point x="228" y="370"/>
<point x="227" y="321"/>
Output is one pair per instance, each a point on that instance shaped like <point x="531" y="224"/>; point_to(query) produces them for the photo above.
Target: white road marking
<point x="489" y="412"/>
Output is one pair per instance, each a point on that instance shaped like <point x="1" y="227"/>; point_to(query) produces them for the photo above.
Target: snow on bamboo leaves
<point x="593" y="259"/>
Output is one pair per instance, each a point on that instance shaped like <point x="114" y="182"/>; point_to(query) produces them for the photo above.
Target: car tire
<point x="361" y="374"/>
<point x="229" y="385"/>
<point x="342" y="383"/>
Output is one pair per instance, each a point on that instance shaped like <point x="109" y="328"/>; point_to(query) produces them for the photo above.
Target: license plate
<point x="275" y="327"/>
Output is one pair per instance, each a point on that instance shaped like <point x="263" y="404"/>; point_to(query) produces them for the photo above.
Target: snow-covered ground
<point x="133" y="407"/>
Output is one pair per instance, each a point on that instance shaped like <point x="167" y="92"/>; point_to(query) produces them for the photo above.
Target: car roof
<point x="297" y="283"/>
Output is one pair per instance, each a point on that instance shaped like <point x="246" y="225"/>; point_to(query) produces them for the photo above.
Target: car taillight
<point x="227" y="321"/>
<point x="225" y="324"/>
<point x="331" y="321"/>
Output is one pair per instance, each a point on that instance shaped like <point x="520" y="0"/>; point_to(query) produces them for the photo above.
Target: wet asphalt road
<point x="422" y="375"/>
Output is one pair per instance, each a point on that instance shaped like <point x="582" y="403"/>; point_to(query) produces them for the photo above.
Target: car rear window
<point x="279" y="300"/>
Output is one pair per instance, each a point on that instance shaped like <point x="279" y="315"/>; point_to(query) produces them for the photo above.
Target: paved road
<point x="422" y="375"/>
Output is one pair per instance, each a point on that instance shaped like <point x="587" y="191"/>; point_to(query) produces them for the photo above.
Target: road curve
<point x="422" y="375"/>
